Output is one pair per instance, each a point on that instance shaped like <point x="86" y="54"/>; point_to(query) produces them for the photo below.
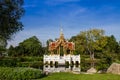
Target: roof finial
<point x="61" y="30"/>
<point x="61" y="33"/>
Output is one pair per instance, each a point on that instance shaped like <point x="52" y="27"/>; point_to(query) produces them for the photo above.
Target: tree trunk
<point x="92" y="59"/>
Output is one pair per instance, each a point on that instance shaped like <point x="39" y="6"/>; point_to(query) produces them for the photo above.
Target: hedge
<point x="34" y="62"/>
<point x="19" y="73"/>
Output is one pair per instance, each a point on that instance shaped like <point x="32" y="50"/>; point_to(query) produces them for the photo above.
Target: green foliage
<point x="11" y="51"/>
<point x="105" y="49"/>
<point x="79" y="42"/>
<point x="84" y="64"/>
<point x="29" y="47"/>
<point x="94" y="39"/>
<point x="30" y="59"/>
<point x="32" y="46"/>
<point x="3" y="44"/>
<point x="9" y="62"/>
<point x="47" y="47"/>
<point x="10" y="13"/>
<point x="89" y="41"/>
<point x="102" y="65"/>
<point x="70" y="76"/>
<point x="18" y="73"/>
<point x="112" y="45"/>
<point x="34" y="62"/>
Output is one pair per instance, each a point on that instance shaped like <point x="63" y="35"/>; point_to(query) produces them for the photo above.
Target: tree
<point x="112" y="45"/>
<point x="79" y="41"/>
<point x="3" y="44"/>
<point x="47" y="45"/>
<point x="11" y="51"/>
<point x="29" y="47"/>
<point x="90" y="41"/>
<point x="10" y="13"/>
<point x="32" y="47"/>
<point x="95" y="40"/>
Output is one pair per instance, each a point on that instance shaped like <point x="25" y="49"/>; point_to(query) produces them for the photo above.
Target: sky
<point x="45" y="18"/>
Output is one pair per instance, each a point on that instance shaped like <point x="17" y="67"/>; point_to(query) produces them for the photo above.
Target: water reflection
<point x="61" y="68"/>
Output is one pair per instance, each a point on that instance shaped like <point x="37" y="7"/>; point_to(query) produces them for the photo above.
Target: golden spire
<point x="61" y="33"/>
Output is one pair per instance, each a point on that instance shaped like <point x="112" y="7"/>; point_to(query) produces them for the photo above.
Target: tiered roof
<point x="61" y="42"/>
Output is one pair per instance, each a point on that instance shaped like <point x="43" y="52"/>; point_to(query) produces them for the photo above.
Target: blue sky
<point x="44" y="18"/>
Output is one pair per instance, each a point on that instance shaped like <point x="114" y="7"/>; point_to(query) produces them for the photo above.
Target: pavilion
<point x="61" y="57"/>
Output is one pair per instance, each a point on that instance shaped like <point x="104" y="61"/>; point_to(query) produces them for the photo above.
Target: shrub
<point x="30" y="59"/>
<point x="9" y="62"/>
<point x="35" y="62"/>
<point x="7" y="73"/>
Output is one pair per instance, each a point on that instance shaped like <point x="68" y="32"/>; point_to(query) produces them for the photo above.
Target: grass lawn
<point x="70" y="76"/>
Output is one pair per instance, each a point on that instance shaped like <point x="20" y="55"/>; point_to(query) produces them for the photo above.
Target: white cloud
<point x="79" y="11"/>
<point x="63" y="0"/>
<point x="57" y="2"/>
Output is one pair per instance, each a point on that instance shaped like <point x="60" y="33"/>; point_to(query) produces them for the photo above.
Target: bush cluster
<point x="34" y="62"/>
<point x="18" y="73"/>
